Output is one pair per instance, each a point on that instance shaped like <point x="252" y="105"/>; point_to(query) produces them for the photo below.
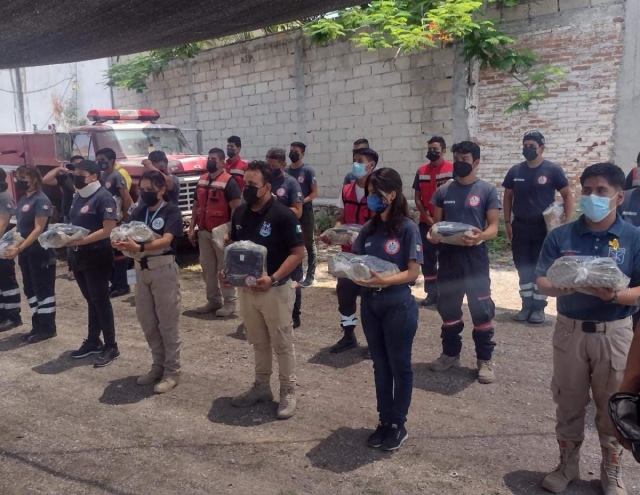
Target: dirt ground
<point x="67" y="428"/>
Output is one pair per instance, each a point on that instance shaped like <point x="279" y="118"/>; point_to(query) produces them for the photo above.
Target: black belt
<point x="530" y="221"/>
<point x="382" y="290"/>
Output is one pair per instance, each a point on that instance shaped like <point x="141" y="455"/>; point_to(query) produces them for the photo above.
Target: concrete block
<point x="268" y="97"/>
<point x="276" y="108"/>
<point x="392" y="105"/>
<point x="373" y="107"/>
<point x="412" y="75"/>
<point x="223" y="73"/>
<point x="242" y="101"/>
<point x="290" y="106"/>
<point x="270" y="118"/>
<point x="235" y="70"/>
<point x="391" y="79"/>
<point x="344" y="73"/>
<point x="223" y="94"/>
<point x="229" y="83"/>
<point x="320" y="89"/>
<point x="372" y="81"/>
<point x="337" y="87"/>
<point x="334" y="63"/>
<point x="275" y="85"/>
<point x="443" y="85"/>
<point x="543" y="7"/>
<point x="267" y="75"/>
<point x="401" y="117"/>
<point x="321" y="113"/>
<point x="362" y="95"/>
<point x="381" y="119"/>
<point x="516" y="13"/>
<point x="417" y="116"/>
<point x="235" y="92"/>
<point x="443" y="56"/>
<point x="401" y="90"/>
<point x="255" y="100"/>
<point x="362" y="70"/>
<point x="412" y="103"/>
<point x="382" y="67"/>
<point x="249" y="90"/>
<point x="422" y="59"/>
<point x="596" y="3"/>
<point x="283" y="95"/>
<point x="380" y="93"/>
<point x="313" y="102"/>
<point x="236" y="113"/>
<point x="249" y="111"/>
<point x="262" y="87"/>
<point x="283" y="117"/>
<point x="442" y="114"/>
<point x="345" y="98"/>
<point x="288" y="83"/>
<point x="354" y="84"/>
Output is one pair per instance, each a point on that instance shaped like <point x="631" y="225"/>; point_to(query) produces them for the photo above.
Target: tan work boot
<point x="567" y="471"/>
<point x="208" y="308"/>
<point x="150" y="378"/>
<point x="444" y="362"/>
<point x="610" y="476"/>
<point x="168" y="382"/>
<point x="288" y="401"/>
<point x="226" y="310"/>
<point x="259" y="392"/>
<point x="485" y="372"/>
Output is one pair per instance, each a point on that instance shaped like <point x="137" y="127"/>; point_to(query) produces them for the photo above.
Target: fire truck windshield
<point x="138" y="142"/>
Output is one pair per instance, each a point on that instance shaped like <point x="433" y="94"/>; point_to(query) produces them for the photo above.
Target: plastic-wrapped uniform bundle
<point x="359" y="267"/>
<point x="344" y="235"/>
<point x="58" y="235"/>
<point x="554" y="216"/>
<point x="244" y="263"/>
<point x="451" y="232"/>
<point x="10" y="239"/>
<point x="583" y="272"/>
<point x="220" y="233"/>
<point x="139" y="232"/>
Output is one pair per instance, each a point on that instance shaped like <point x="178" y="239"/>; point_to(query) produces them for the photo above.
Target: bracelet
<point x="141" y="244"/>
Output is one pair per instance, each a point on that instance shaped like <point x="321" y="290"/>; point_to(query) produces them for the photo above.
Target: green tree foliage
<point x="414" y="25"/>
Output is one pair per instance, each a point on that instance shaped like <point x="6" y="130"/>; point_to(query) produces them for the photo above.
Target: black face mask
<point x="3" y="186"/>
<point x="433" y="156"/>
<point x="149" y="198"/>
<point x="22" y="185"/>
<point x="103" y="165"/>
<point x="250" y="195"/>
<point x="294" y="156"/>
<point x="212" y="166"/>
<point x="529" y="153"/>
<point x="79" y="181"/>
<point x="462" y="169"/>
<point x="277" y="172"/>
<point x="231" y="152"/>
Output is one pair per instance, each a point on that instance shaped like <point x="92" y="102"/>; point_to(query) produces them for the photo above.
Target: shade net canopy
<point x="42" y="32"/>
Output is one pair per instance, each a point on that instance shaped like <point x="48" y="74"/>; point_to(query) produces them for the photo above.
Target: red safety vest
<point x="213" y="209"/>
<point x="354" y="211"/>
<point x="635" y="180"/>
<point x="431" y="178"/>
<point x="237" y="167"/>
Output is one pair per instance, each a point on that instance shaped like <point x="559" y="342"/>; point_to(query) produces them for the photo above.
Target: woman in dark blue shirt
<point x="388" y="310"/>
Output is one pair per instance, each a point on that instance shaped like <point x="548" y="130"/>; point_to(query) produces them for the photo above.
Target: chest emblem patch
<point x="392" y="246"/>
<point x="616" y="252"/>
<point x="26" y="208"/>
<point x="474" y="200"/>
<point x="280" y="192"/>
<point x="107" y="185"/>
<point x="157" y="223"/>
<point x="301" y="179"/>
<point x="84" y="209"/>
<point x="250" y="281"/>
<point x="265" y="230"/>
<point x="542" y="180"/>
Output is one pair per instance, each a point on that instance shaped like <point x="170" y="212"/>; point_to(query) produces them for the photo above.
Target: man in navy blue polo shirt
<point x="593" y="332"/>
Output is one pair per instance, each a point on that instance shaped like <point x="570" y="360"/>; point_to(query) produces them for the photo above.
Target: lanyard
<point x="146" y="218"/>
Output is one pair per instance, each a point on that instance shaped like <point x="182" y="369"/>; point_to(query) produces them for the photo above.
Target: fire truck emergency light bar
<point x="109" y="114"/>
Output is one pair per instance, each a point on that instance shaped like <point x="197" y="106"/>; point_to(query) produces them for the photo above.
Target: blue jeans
<point x="390" y="320"/>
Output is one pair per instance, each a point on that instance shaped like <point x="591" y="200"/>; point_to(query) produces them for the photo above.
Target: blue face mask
<point x="595" y="207"/>
<point x="375" y="203"/>
<point x="359" y="170"/>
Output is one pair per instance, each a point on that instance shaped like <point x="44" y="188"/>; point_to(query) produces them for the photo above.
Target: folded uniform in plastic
<point x="244" y="263"/>
<point x="139" y="232"/>
<point x="583" y="272"/>
<point x="58" y="235"/>
<point x="554" y="216"/>
<point x="344" y="235"/>
<point x="624" y="409"/>
<point x="10" y="239"/>
<point x="451" y="232"/>
<point x="359" y="267"/>
<point x="220" y="233"/>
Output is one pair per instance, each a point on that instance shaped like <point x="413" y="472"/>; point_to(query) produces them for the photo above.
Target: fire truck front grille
<point x="187" y="188"/>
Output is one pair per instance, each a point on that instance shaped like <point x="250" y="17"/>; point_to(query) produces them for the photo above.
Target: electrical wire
<point x="37" y="90"/>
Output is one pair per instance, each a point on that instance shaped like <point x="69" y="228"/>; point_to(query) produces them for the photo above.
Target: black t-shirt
<point x="306" y="177"/>
<point x="66" y="186"/>
<point x="91" y="212"/>
<point x="275" y="227"/>
<point x="29" y="208"/>
<point x="166" y="220"/>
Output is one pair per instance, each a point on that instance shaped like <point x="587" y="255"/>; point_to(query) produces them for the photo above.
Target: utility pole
<point x="19" y="101"/>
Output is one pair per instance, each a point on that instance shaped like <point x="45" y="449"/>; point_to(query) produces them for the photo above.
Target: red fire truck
<point x="132" y="134"/>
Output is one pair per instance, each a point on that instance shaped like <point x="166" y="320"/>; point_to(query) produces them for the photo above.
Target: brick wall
<point x="577" y="119"/>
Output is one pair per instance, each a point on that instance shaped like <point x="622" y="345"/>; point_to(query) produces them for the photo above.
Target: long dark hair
<point x="157" y="179"/>
<point x="387" y="180"/>
<point x="33" y="173"/>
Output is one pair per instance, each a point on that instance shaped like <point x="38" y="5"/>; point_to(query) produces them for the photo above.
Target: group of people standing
<point x="271" y="204"/>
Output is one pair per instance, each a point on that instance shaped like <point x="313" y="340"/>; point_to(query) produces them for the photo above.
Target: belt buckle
<point x="589" y="326"/>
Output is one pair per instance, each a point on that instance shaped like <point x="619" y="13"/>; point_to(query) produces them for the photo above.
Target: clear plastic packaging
<point x="58" y="235"/>
<point x="583" y="272"/>
<point x="119" y="203"/>
<point x="244" y="263"/>
<point x="359" y="267"/>
<point x="220" y="233"/>
<point x="451" y="232"/>
<point x="10" y="239"/>
<point x="344" y="235"/>
<point x="554" y="216"/>
<point x="139" y="232"/>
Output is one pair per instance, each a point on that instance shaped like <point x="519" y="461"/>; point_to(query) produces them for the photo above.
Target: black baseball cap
<point x="534" y="136"/>
<point x="89" y="166"/>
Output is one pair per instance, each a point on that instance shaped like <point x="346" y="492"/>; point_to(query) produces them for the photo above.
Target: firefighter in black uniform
<point x="530" y="187"/>
<point x="9" y="291"/>
<point x="465" y="269"/>
<point x="38" y="265"/>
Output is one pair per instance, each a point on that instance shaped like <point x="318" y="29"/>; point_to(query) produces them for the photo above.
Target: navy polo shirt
<point x="398" y="249"/>
<point x="575" y="239"/>
<point x="29" y="208"/>
<point x="306" y="177"/>
<point x="287" y="190"/>
<point x="91" y="212"/>
<point x="630" y="207"/>
<point x="467" y="203"/>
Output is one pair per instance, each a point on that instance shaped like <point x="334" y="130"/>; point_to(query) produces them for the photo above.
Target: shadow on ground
<point x="506" y="316"/>
<point x="449" y="382"/>
<point x="12" y="343"/>
<point x="125" y="391"/>
<point x="62" y="363"/>
<point x="223" y="412"/>
<point x="339" y="361"/>
<point x="528" y="483"/>
<point x="344" y="451"/>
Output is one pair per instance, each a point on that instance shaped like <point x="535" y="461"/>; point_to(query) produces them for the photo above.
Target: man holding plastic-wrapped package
<point x="593" y="333"/>
<point x="530" y="187"/>
<point x="216" y="196"/>
<point x="266" y="306"/>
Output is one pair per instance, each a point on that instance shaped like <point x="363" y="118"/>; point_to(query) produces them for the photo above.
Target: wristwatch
<point x="141" y="244"/>
<point x="274" y="282"/>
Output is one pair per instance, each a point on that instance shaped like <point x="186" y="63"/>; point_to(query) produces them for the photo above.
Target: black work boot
<point x="523" y="314"/>
<point x="348" y="341"/>
<point x="430" y="300"/>
<point x="10" y="324"/>
<point x="537" y="316"/>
